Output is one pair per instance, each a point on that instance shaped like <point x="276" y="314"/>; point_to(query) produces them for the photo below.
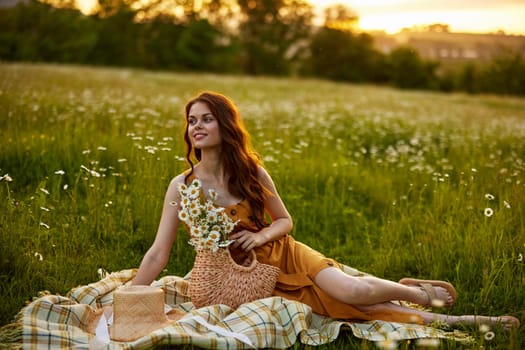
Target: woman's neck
<point x="210" y="167"/>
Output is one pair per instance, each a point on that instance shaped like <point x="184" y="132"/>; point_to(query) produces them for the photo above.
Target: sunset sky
<point x="479" y="16"/>
<point x="462" y="15"/>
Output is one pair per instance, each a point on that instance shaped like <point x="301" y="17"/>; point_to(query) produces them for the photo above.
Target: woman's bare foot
<point x="438" y="293"/>
<point x="507" y="322"/>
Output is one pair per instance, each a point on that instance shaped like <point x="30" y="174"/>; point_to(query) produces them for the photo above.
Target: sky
<point x="475" y="16"/>
<point x="472" y="16"/>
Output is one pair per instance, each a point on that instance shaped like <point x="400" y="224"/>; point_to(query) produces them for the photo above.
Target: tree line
<point x="263" y="37"/>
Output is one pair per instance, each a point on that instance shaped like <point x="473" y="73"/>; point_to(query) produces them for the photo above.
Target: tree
<point x="219" y="13"/>
<point x="409" y="71"/>
<point x="203" y="47"/>
<point x="340" y="17"/>
<point x="273" y="33"/>
<point x="117" y="40"/>
<point x="505" y="74"/>
<point x="468" y="78"/>
<point x="35" y="31"/>
<point x="337" y="53"/>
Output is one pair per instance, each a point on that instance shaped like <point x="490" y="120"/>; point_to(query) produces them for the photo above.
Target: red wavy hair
<point x="240" y="161"/>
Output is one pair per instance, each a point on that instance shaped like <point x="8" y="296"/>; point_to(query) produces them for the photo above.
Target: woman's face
<point x="203" y="127"/>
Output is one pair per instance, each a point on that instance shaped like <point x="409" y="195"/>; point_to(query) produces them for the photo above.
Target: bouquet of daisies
<point x="208" y="223"/>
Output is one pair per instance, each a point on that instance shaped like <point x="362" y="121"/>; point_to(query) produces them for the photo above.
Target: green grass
<point x="391" y="182"/>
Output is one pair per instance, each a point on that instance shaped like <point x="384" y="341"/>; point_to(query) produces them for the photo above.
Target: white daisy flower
<point x="212" y="217"/>
<point x="489" y="336"/>
<point x="488" y="212"/>
<point x="195" y="231"/>
<point x="214" y="235"/>
<point x="184" y="202"/>
<point x="213" y="194"/>
<point x="183" y="215"/>
<point x="43" y="224"/>
<point x="6" y="177"/>
<point x="182" y="187"/>
<point x="193" y="192"/>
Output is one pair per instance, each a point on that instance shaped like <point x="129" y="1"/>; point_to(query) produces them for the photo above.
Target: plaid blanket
<point x="53" y="321"/>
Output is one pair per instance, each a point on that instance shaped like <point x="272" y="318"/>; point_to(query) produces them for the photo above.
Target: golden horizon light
<point x="482" y="16"/>
<point x="391" y="16"/>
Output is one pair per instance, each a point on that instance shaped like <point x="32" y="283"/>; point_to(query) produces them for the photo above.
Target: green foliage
<point x="38" y="32"/>
<point x="344" y="56"/>
<point x="391" y="182"/>
<point x="200" y="48"/>
<point x="409" y="71"/>
<point x="270" y="37"/>
<point x="505" y="75"/>
<point x="271" y="34"/>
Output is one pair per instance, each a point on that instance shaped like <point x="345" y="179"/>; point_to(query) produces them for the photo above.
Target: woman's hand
<point x="247" y="240"/>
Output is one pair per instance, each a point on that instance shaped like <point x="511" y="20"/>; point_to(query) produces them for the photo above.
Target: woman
<point x="216" y="137"/>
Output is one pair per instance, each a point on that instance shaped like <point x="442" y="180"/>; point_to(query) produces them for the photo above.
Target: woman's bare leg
<point x="507" y="322"/>
<point x="369" y="290"/>
<point x="369" y="293"/>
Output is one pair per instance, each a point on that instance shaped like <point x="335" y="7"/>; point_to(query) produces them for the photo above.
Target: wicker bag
<point x="217" y="279"/>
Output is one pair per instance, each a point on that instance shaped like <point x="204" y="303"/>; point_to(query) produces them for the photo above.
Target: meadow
<point x="394" y="183"/>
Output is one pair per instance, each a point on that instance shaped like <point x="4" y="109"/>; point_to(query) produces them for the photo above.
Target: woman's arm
<point x="281" y="220"/>
<point x="158" y="254"/>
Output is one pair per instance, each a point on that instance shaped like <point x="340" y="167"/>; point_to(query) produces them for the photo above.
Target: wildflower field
<point x="394" y="183"/>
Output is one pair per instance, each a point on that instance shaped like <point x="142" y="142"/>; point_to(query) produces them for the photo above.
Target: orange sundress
<point x="299" y="265"/>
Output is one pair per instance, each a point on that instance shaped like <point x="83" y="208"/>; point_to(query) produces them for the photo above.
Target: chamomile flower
<point x="7" y="178"/>
<point x="194" y="212"/>
<point x="488" y="212"/>
<point x="209" y="225"/>
<point x="489" y="196"/>
<point x="183" y="215"/>
<point x="212" y="216"/>
<point x="214" y="235"/>
<point x="213" y="194"/>
<point x="489" y="336"/>
<point x="386" y="344"/>
<point x="209" y="206"/>
<point x="182" y="187"/>
<point x="195" y="232"/>
<point x="193" y="192"/>
<point x="484" y="328"/>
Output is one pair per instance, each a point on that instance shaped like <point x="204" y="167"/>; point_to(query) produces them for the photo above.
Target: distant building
<point x="436" y="42"/>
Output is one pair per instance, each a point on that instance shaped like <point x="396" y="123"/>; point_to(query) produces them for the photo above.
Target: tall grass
<point x="393" y="183"/>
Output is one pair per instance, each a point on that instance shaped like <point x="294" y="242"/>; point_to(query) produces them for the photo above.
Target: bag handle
<point x="239" y="267"/>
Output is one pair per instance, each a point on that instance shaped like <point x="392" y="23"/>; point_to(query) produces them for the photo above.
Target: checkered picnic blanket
<point x="53" y="321"/>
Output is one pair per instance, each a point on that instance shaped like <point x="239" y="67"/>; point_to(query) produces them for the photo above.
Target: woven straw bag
<point x="217" y="279"/>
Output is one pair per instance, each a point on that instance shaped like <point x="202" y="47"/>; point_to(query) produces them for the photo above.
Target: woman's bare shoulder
<point x="263" y="175"/>
<point x="179" y="179"/>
